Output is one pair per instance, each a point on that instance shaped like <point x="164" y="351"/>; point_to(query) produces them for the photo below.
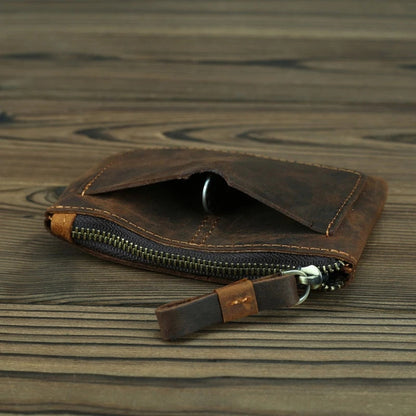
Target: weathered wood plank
<point x="60" y="357"/>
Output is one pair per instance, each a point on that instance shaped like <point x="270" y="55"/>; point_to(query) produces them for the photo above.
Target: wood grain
<point x="326" y="82"/>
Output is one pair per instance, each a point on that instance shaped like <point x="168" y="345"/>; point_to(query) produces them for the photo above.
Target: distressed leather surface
<point x="287" y="207"/>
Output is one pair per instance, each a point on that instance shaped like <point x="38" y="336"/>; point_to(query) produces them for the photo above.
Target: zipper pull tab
<point x="233" y="301"/>
<point x="309" y="276"/>
<point x="313" y="276"/>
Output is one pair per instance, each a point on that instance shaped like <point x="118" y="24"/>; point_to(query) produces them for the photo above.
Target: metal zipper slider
<point x="309" y="276"/>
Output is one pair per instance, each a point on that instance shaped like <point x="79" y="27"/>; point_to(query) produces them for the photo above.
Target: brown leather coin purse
<point x="271" y="230"/>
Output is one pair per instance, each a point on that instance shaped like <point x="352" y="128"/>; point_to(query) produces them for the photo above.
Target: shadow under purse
<point x="270" y="230"/>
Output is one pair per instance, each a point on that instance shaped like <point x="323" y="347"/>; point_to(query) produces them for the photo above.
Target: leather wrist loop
<point x="233" y="301"/>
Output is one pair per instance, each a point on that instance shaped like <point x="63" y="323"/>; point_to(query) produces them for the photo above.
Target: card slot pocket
<point x="315" y="196"/>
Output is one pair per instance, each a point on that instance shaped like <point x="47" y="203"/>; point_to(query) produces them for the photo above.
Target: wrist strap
<point x="234" y="301"/>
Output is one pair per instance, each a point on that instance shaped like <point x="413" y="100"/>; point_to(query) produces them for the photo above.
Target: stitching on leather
<point x="324" y="250"/>
<point x="210" y="230"/>
<point x="203" y="222"/>
<point x="113" y="159"/>
<point x="95" y="178"/>
<point x="343" y="204"/>
<point x="202" y="234"/>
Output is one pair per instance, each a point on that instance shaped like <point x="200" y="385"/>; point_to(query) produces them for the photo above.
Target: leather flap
<point x="316" y="196"/>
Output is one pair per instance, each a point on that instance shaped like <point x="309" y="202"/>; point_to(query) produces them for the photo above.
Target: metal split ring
<point x="205" y="187"/>
<point x="305" y="295"/>
<point x="309" y="276"/>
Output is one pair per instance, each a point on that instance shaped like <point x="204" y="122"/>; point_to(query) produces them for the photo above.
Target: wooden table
<point x="327" y="82"/>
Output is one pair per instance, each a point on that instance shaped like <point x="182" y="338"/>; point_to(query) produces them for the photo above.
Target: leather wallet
<point x="271" y="230"/>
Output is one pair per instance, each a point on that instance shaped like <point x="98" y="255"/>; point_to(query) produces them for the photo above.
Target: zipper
<point x="108" y="238"/>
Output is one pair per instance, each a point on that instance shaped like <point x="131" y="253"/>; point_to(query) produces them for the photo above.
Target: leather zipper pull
<point x="234" y="301"/>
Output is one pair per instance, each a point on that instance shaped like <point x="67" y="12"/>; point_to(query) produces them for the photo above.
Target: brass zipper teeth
<point x="193" y="264"/>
